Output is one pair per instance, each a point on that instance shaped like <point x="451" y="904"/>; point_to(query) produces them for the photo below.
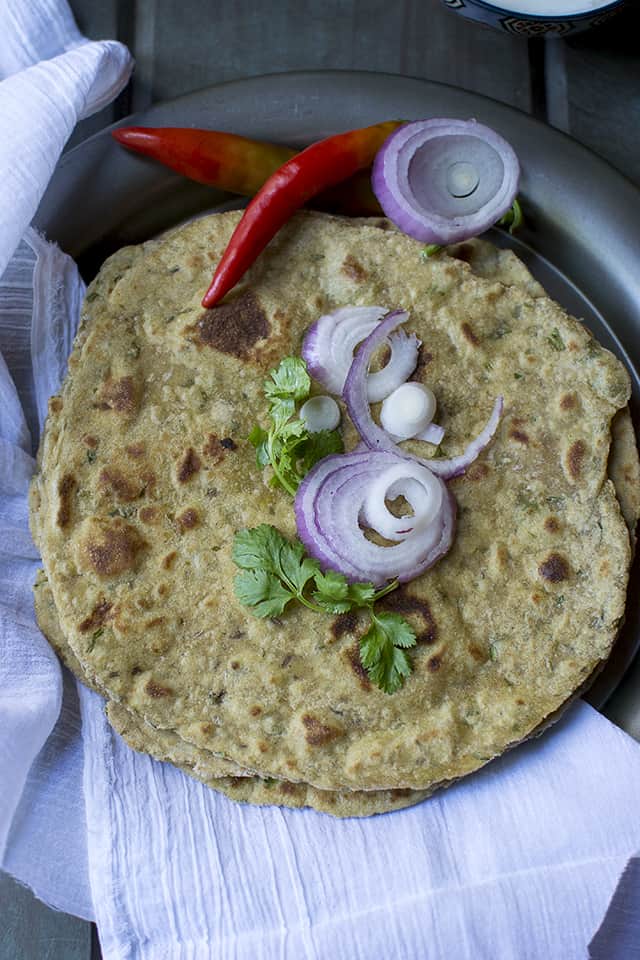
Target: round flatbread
<point x="145" y="478"/>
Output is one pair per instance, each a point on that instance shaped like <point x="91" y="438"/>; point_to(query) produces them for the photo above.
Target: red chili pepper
<point x="320" y="166"/>
<point x="218" y="159"/>
<point x="237" y="164"/>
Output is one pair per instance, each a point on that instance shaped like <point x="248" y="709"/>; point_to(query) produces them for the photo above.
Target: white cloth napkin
<point x="518" y="861"/>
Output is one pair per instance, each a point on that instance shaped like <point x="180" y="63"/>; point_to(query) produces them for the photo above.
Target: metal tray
<point x="581" y="240"/>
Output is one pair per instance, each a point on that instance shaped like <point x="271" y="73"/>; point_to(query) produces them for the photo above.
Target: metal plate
<point x="581" y="240"/>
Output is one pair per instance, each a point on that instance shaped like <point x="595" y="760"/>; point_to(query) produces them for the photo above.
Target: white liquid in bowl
<point x="551" y="8"/>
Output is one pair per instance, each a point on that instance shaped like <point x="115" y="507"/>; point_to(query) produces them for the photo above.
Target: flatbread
<point x="219" y="774"/>
<point x="153" y="377"/>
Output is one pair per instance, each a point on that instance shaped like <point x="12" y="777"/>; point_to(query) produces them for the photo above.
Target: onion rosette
<point x="443" y="180"/>
<point x="345" y="495"/>
<point x="330" y="342"/>
<point x="374" y="437"/>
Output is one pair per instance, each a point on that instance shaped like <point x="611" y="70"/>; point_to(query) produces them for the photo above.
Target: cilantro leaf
<point x="263" y="592"/>
<point x="258" y="548"/>
<point x="294" y="567"/>
<point x="258" y="437"/>
<point x="332" y="585"/>
<point x="390" y="668"/>
<point x="288" y="446"/>
<point x="289" y="381"/>
<point x="513" y="218"/>
<point x="274" y="571"/>
<point x="281" y="412"/>
<point x="362" y="594"/>
<point x="397" y="629"/>
<point x="382" y="650"/>
<point x="332" y="592"/>
<point x="319" y="445"/>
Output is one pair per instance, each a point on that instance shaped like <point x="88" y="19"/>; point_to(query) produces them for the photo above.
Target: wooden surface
<point x="588" y="86"/>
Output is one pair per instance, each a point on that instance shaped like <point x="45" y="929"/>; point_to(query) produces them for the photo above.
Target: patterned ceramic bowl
<point x="537" y="18"/>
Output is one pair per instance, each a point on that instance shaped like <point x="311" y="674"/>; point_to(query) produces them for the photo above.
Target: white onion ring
<point x="417" y="485"/>
<point x="329" y="344"/>
<point x="375" y="437"/>
<point x="416" y="171"/>
<point x="331" y="500"/>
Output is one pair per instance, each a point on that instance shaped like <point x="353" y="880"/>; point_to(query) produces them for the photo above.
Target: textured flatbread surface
<point x="145" y="477"/>
<point x="221" y="775"/>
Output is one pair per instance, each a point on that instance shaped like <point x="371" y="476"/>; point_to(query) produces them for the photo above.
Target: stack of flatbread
<point x="145" y="475"/>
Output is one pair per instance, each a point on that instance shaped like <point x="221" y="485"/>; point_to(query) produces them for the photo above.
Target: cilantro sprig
<point x="513" y="218"/>
<point x="275" y="571"/>
<point x="288" y="446"/>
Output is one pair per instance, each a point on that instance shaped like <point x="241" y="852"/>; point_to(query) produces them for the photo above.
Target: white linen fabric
<point x="519" y="861"/>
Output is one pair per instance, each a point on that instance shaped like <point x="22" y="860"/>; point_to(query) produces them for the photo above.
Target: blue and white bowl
<point x="537" y="18"/>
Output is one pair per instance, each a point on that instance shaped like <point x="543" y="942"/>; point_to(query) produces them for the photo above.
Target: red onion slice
<point x="442" y="180"/>
<point x="456" y="466"/>
<point x="431" y="434"/>
<point x="355" y="397"/>
<point x="330" y="503"/>
<point x="329" y="344"/>
<point x="419" y="487"/>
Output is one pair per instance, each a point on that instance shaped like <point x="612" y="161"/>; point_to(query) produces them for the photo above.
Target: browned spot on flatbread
<point x="119" y="395"/>
<point x="255" y="711"/>
<point x="112" y="548"/>
<point x="157" y="690"/>
<point x="318" y="733"/>
<point x="216" y="448"/>
<point x="469" y="334"/>
<point x="477" y="471"/>
<point x="476" y="652"/>
<point x="188" y="466"/>
<point x="552" y="524"/>
<point x="155" y="622"/>
<point x="424" y="359"/>
<point x="519" y="435"/>
<point x="568" y="401"/>
<point x="575" y="458"/>
<point x="263" y="747"/>
<point x="96" y="618"/>
<point x="90" y="441"/>
<point x="343" y="623"/>
<point x="434" y="664"/>
<point x="188" y="520"/>
<point x="148" y="514"/>
<point x="168" y="561"/>
<point x="463" y="251"/>
<point x="554" y="568"/>
<point x="353" y="269"/>
<point x="55" y="404"/>
<point x="289" y="789"/>
<point x="135" y="450"/>
<point x="353" y="657"/>
<point x="66" y="488"/>
<point x="405" y="603"/>
<point x="234" y="327"/>
<point x="113" y="481"/>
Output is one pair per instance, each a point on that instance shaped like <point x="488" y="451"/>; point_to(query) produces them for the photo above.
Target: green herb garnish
<point x="556" y="340"/>
<point x="431" y="250"/>
<point x="288" y="446"/>
<point x="91" y="456"/>
<point x="513" y="218"/>
<point x="275" y="571"/>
